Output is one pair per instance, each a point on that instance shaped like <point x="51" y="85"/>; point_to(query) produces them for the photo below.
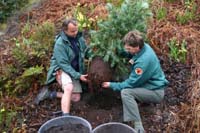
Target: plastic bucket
<point x="70" y="124"/>
<point x="113" y="127"/>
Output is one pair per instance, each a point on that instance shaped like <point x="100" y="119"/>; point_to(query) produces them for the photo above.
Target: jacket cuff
<point x="112" y="86"/>
<point x="77" y="77"/>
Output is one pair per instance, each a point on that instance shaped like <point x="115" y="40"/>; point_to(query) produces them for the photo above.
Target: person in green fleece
<point x="146" y="82"/>
<point x="67" y="66"/>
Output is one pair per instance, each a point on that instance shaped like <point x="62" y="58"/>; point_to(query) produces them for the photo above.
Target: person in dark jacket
<point x="67" y="66"/>
<point x="146" y="82"/>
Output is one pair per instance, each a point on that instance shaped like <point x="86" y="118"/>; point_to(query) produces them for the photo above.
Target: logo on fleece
<point x="138" y="71"/>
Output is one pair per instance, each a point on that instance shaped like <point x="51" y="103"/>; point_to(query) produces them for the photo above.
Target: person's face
<point x="131" y="50"/>
<point x="72" y="30"/>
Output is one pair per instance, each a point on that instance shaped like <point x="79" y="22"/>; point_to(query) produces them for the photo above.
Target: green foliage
<point x="115" y="2"/>
<point x="32" y="71"/>
<point x="106" y="41"/>
<point x="170" y="0"/>
<point x="178" y="51"/>
<point x="7" y="7"/>
<point x="84" y="22"/>
<point x="6" y="118"/>
<point x="28" y="76"/>
<point x="185" y="17"/>
<point x="26" y="29"/>
<point x="31" y="56"/>
<point x="188" y="14"/>
<point x="178" y="0"/>
<point x="161" y="13"/>
<point x="88" y="23"/>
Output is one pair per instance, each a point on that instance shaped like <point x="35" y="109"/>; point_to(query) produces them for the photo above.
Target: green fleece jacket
<point x="63" y="55"/>
<point x="146" y="72"/>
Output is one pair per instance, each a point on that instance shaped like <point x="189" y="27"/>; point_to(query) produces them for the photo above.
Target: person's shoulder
<point x="148" y="53"/>
<point x="149" y="49"/>
<point x="61" y="43"/>
<point x="147" y="46"/>
<point x="59" y="40"/>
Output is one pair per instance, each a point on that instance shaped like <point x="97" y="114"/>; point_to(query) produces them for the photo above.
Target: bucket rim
<point x="63" y="117"/>
<point x="114" y="123"/>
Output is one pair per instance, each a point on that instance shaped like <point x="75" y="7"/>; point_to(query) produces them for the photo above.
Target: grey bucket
<point x="113" y="127"/>
<point x="66" y="120"/>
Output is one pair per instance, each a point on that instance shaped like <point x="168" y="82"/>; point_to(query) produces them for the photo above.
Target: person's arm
<point x="139" y="75"/>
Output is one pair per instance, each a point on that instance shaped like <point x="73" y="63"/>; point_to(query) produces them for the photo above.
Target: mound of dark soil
<point x="99" y="72"/>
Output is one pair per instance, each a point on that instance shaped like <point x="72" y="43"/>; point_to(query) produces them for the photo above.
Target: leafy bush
<point x="8" y="7"/>
<point x="106" y="41"/>
<point x="161" y="13"/>
<point x="185" y="17"/>
<point x="88" y="16"/>
<point x="84" y="22"/>
<point x="178" y="51"/>
<point x="30" y="61"/>
<point x="9" y="115"/>
<point x="188" y="14"/>
<point x="6" y="117"/>
<point x="115" y="2"/>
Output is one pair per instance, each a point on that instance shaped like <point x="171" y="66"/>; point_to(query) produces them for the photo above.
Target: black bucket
<point x="113" y="127"/>
<point x="66" y="124"/>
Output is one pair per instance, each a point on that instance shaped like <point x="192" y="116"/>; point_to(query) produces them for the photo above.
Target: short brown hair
<point x="134" y="39"/>
<point x="67" y="22"/>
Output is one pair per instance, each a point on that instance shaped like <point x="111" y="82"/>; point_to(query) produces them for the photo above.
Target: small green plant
<point x="188" y="14"/>
<point x="188" y="3"/>
<point x="177" y="51"/>
<point x="106" y="41"/>
<point x="117" y="3"/>
<point x="9" y="115"/>
<point x="161" y="13"/>
<point x="8" y="7"/>
<point x="6" y="117"/>
<point x="185" y="17"/>
<point x="26" y="29"/>
<point x="29" y="75"/>
<point x="170" y="0"/>
<point x="85" y="22"/>
<point x="30" y="58"/>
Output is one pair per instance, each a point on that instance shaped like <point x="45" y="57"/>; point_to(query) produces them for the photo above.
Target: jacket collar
<point x="137" y="55"/>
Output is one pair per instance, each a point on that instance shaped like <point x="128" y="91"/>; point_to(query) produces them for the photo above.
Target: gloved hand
<point x="106" y="84"/>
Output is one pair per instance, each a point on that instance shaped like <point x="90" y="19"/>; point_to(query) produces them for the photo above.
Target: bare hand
<point x="84" y="78"/>
<point x="106" y="84"/>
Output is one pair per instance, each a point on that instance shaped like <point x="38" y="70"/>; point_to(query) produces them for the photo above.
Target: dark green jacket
<point x="63" y="55"/>
<point x="152" y="76"/>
